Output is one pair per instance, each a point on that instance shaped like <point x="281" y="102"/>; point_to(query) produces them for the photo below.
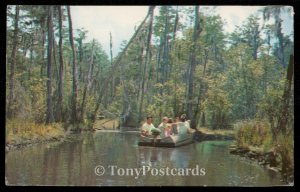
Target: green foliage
<point x="217" y="104"/>
<point x="244" y="82"/>
<point x="162" y="104"/>
<point x="270" y="101"/>
<point x="253" y="133"/>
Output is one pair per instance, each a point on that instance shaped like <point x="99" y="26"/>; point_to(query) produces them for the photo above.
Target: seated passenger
<point x="149" y="129"/>
<point x="189" y="129"/>
<point x="184" y="125"/>
<point x="163" y="125"/>
<point x="182" y="128"/>
<point x="168" y="130"/>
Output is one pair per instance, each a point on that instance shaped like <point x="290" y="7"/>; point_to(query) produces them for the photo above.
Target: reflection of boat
<point x="161" y="157"/>
<point x="170" y="141"/>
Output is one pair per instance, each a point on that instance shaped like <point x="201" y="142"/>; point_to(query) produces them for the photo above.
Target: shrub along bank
<point x="254" y="140"/>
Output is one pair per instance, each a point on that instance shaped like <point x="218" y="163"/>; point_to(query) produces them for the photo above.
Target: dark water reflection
<point x="73" y="163"/>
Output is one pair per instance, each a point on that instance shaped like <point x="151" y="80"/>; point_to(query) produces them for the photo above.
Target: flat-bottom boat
<point x="174" y="140"/>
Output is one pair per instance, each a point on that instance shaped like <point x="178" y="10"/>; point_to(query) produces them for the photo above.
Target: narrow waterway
<point x="96" y="159"/>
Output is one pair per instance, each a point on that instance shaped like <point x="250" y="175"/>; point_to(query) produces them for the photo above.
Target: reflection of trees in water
<point x="50" y="165"/>
<point x="22" y="167"/>
<point x="70" y="156"/>
<point x="86" y="159"/>
<point x="69" y="163"/>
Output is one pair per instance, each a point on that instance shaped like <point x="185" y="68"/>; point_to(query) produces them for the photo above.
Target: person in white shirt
<point x="148" y="128"/>
<point x="184" y="125"/>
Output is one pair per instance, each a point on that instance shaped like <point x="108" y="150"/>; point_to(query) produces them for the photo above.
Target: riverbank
<point x="269" y="159"/>
<point x="20" y="134"/>
<point x="254" y="141"/>
<point x="30" y="142"/>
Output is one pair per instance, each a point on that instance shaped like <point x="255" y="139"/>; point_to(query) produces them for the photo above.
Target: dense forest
<point x="179" y="61"/>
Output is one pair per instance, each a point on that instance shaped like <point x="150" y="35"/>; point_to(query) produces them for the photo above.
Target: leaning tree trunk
<point x="147" y="60"/>
<point x="74" y="90"/>
<point x="13" y="64"/>
<point x="115" y="63"/>
<point x="196" y="34"/>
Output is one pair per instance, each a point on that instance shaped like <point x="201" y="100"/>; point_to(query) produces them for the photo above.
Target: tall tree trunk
<point x="80" y="50"/>
<point x="91" y="68"/>
<point x="175" y="26"/>
<point x="61" y="67"/>
<point x="43" y="49"/>
<point x="173" y="40"/>
<point x="171" y="62"/>
<point x="196" y="33"/>
<point x="280" y="42"/>
<point x="74" y="90"/>
<point x="201" y="91"/>
<point x="165" y="56"/>
<point x="49" y="117"/>
<point x="111" y="62"/>
<point x="141" y="74"/>
<point x="147" y="60"/>
<point x="31" y="63"/>
<point x="284" y="117"/>
<point x="88" y="83"/>
<point x="13" y="64"/>
<point x="54" y="59"/>
<point x="126" y="102"/>
<point x="249" y="106"/>
<point x="176" y="107"/>
<point x="158" y="61"/>
<point x="256" y="44"/>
